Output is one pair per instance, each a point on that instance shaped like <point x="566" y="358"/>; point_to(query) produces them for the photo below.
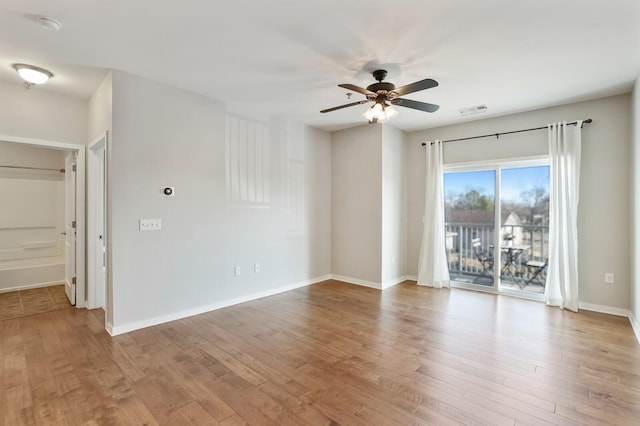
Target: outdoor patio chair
<point x="537" y="271"/>
<point x="484" y="257"/>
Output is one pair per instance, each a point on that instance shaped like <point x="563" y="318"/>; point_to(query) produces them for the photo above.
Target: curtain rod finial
<point x="587" y="121"/>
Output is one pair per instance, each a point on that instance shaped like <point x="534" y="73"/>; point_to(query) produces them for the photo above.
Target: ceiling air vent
<point x="473" y="110"/>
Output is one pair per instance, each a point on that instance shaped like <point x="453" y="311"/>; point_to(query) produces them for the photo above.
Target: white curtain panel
<point x="433" y="270"/>
<point x="562" y="275"/>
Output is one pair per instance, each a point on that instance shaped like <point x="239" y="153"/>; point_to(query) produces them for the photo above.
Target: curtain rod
<point x="33" y="168"/>
<point x="497" y="135"/>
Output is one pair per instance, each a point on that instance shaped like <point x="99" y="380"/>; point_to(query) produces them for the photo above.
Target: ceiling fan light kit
<point x="32" y="74"/>
<point x="380" y="112"/>
<point x="385" y="94"/>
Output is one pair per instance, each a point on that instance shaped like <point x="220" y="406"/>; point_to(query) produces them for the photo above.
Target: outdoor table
<point x="511" y="255"/>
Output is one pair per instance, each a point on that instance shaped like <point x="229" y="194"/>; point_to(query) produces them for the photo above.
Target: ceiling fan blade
<point x="422" y="106"/>
<point x="415" y="87"/>
<point x="345" y="106"/>
<point x="356" y="89"/>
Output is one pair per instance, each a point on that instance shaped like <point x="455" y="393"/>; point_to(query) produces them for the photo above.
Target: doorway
<point x="74" y="264"/>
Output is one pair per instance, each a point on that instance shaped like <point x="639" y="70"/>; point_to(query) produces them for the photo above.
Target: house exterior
<point x="483" y="222"/>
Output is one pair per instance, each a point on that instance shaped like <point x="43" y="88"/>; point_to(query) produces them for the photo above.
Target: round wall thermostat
<point x="169" y="191"/>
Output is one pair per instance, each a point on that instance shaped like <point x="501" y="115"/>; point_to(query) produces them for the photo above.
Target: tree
<point x="471" y="200"/>
<point x="536" y="205"/>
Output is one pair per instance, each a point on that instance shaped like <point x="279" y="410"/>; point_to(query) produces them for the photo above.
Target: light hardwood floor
<point x="33" y="301"/>
<point x="331" y="353"/>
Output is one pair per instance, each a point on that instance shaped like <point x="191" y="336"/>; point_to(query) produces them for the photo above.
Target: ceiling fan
<point x="385" y="94"/>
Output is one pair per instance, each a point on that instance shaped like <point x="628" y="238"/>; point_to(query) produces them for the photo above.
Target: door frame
<point x="93" y="225"/>
<point x="70" y="225"/>
<point x="80" y="204"/>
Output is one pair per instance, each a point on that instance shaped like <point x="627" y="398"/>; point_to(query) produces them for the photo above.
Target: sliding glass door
<point x="509" y="257"/>
<point x="524" y="228"/>
<point x="469" y="214"/>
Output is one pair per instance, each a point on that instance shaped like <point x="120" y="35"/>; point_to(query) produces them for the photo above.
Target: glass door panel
<point x="470" y="226"/>
<point x="524" y="228"/>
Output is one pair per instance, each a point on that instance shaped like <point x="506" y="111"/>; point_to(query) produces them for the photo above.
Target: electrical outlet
<point x="150" y="225"/>
<point x="609" y="278"/>
<point x="256" y="267"/>
<point x="236" y="271"/>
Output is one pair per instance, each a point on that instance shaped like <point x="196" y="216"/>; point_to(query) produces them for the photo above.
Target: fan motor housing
<point x="384" y="86"/>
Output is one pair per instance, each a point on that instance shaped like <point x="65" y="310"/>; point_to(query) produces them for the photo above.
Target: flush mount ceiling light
<point x="32" y="74"/>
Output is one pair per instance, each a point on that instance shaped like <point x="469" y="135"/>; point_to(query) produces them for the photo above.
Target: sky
<point x="514" y="181"/>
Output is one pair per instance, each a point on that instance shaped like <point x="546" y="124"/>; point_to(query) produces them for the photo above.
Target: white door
<point x="102" y="273"/>
<point x="70" y="227"/>
<point x="96" y="223"/>
<point x="100" y="239"/>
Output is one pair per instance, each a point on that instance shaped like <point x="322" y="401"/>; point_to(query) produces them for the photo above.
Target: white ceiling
<point x="286" y="57"/>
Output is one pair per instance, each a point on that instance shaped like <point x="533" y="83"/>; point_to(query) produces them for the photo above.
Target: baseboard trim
<point x="391" y="283"/>
<point x="604" y="309"/>
<point x="126" y="328"/>
<point x="635" y="326"/>
<point x="30" y="286"/>
<point x="370" y="284"/>
<point x="357" y="281"/>
<point x="412" y="278"/>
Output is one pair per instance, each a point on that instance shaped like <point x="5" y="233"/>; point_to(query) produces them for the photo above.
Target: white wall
<point x="603" y="219"/>
<point x="29" y="156"/>
<point x="318" y="205"/>
<point x="635" y="208"/>
<point x="31" y="220"/>
<point x="99" y="110"/>
<point x="165" y="136"/>
<point x="100" y="120"/>
<point x="356" y="204"/>
<point x="369" y="201"/>
<point x="394" y="206"/>
<point x="40" y="114"/>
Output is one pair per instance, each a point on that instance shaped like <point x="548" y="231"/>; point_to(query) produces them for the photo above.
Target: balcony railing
<point x="460" y="252"/>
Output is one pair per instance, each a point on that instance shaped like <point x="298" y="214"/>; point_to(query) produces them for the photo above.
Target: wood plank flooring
<point x="33" y="301"/>
<point x="328" y="354"/>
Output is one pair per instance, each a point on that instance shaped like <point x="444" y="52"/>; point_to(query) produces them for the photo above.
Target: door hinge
<point x="73" y="168"/>
<point x="73" y="280"/>
<point x="73" y="224"/>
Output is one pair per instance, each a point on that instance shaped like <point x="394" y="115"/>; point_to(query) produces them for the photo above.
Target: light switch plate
<point x="150" y="224"/>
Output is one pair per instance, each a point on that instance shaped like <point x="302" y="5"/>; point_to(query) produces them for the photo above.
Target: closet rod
<point x="497" y="135"/>
<point x="33" y="168"/>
